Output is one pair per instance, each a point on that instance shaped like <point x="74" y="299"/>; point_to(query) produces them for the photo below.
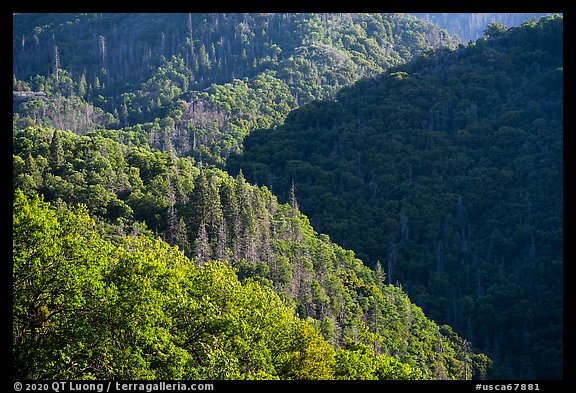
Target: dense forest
<point x="99" y="294"/>
<point x="285" y="196"/>
<point x="198" y="82"/>
<point x="447" y="171"/>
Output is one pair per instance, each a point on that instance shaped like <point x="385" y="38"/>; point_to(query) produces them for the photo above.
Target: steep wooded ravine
<point x="443" y="175"/>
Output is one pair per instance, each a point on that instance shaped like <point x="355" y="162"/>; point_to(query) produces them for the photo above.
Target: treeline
<point x="447" y="171"/>
<point x="119" y="302"/>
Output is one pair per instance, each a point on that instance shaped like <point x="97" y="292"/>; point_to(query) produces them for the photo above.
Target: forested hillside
<point x="448" y="172"/>
<point x="285" y="196"/>
<point x="150" y="262"/>
<point x="117" y="302"/>
<point x="198" y="82"/>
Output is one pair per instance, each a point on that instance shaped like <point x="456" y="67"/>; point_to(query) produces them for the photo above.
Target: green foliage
<point x="132" y="192"/>
<point x="447" y="170"/>
<point x="360" y="363"/>
<point x="60" y="104"/>
<point x="310" y="357"/>
<point x="494" y="29"/>
<point x="86" y="307"/>
<point x="116" y="231"/>
<point x="220" y="77"/>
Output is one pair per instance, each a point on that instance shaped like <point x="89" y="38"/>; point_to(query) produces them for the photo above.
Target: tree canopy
<point x="283" y="301"/>
<point x="448" y="171"/>
<point x="286" y="196"/>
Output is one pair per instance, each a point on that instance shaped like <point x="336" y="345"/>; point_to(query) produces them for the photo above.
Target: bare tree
<point x="56" y="63"/>
<point x="102" y="48"/>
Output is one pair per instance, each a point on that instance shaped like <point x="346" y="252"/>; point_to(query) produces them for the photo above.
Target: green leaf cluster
<point x="136" y="308"/>
<point x="135" y="259"/>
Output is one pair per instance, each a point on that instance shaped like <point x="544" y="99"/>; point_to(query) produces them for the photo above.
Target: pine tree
<point x="82" y="86"/>
<point x="379" y="275"/>
<point x="57" y="159"/>
<point x="202" y="251"/>
<point x="466" y="359"/>
<point x="294" y="230"/>
<point x="181" y="236"/>
<point x="232" y="217"/>
<point x="248" y="227"/>
<point x="292" y="200"/>
<point x="172" y="224"/>
<point x="221" y="251"/>
<point x="204" y="61"/>
<point x="33" y="170"/>
<point x="440" y="370"/>
<point x="214" y="214"/>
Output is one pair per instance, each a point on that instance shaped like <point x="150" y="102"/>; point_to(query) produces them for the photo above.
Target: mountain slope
<point x="284" y="303"/>
<point x="201" y="81"/>
<point x="448" y="172"/>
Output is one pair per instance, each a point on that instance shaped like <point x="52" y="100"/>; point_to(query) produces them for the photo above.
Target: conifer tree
<point x="214" y="214"/>
<point x="82" y="86"/>
<point x="57" y="158"/>
<point x="200" y="202"/>
<point x="202" y="251"/>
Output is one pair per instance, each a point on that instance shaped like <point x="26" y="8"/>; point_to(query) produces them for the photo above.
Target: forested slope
<point x="99" y="293"/>
<point x="199" y="82"/>
<point x="444" y="175"/>
<point x="448" y="172"/>
<point x="153" y="264"/>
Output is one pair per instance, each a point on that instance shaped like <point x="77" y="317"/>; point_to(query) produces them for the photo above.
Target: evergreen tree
<point x="57" y="158"/>
<point x="202" y="250"/>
